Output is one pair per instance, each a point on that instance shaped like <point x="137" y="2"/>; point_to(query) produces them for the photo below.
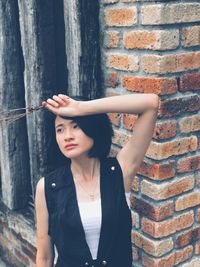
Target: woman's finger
<point x="52" y="102"/>
<point x="64" y="97"/>
<point x="50" y="107"/>
<point x="44" y="103"/>
<point x="59" y="100"/>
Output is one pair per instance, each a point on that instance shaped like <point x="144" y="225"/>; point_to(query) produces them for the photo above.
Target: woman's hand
<point x="62" y="105"/>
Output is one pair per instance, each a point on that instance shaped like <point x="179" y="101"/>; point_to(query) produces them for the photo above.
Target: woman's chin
<point x="74" y="154"/>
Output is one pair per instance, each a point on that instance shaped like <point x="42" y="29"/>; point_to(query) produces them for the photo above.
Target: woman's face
<point x="72" y="141"/>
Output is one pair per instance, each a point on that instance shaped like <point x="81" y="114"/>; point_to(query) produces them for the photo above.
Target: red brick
<point x="121" y="16"/>
<point x="135" y="219"/>
<point x="190" y="124"/>
<point x="114" y="151"/>
<point x="154" y="39"/>
<point x="157" y="171"/>
<point x="135" y="184"/>
<point x="167" y="227"/>
<point x="183" y="254"/>
<point x="152" y="247"/>
<point x="112" y="79"/>
<point x="23" y="258"/>
<point x="197" y="248"/>
<point x="189" y="82"/>
<point x="120" y="138"/>
<point x="189" y="164"/>
<point x="5" y="243"/>
<point x="135" y="253"/>
<point x="166" y="190"/>
<point x="114" y="118"/>
<point x="129" y="121"/>
<point x="140" y="39"/>
<point x="164" y="130"/>
<point x="123" y="62"/>
<point x="191" y="36"/>
<point x="11" y="236"/>
<point x="170" y="260"/>
<point x="29" y="251"/>
<point x="174" y="107"/>
<point x="198" y="215"/>
<point x="170" y="63"/>
<point x="198" y="181"/>
<point x="184" y="239"/>
<point x="170" y="13"/>
<point x="11" y="258"/>
<point x="167" y="261"/>
<point x="156" y="213"/>
<point x="160" y="86"/>
<point x="198" y="142"/>
<point x="187" y="201"/>
<point x="165" y="150"/>
<point x="194" y="262"/>
<point x="112" y="39"/>
<point x="188" y="237"/>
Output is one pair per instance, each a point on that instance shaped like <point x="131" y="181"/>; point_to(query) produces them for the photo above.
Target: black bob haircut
<point x="99" y="128"/>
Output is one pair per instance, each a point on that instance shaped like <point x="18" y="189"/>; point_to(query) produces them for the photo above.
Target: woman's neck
<point x="85" y="168"/>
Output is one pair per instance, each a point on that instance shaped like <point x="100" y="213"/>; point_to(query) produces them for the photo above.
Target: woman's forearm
<point x="44" y="262"/>
<point x="133" y="103"/>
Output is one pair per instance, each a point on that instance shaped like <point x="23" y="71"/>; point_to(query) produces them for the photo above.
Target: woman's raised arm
<point x="133" y="103"/>
<point x="145" y="105"/>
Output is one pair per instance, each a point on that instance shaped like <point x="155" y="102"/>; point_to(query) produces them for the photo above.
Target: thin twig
<point x="20" y="109"/>
<point x="8" y="117"/>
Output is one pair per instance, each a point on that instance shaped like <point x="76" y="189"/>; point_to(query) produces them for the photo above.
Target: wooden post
<point x="13" y="137"/>
<point x="38" y="43"/>
<point x="83" y="47"/>
<point x="59" y="40"/>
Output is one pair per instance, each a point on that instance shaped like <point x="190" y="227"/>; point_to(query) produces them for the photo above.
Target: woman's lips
<point x="70" y="146"/>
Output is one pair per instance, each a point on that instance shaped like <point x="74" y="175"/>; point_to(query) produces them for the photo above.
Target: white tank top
<point x="91" y="220"/>
<point x="91" y="215"/>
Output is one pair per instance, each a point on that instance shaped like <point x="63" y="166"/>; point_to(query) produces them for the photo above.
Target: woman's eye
<point x="75" y="126"/>
<point x="59" y="130"/>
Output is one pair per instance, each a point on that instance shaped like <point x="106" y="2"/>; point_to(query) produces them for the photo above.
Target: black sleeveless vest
<point x="65" y="226"/>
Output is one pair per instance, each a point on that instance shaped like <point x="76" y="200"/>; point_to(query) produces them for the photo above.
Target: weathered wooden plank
<point x="13" y="138"/>
<point x="73" y="45"/>
<point x="83" y="47"/>
<point x="90" y="67"/>
<point x="38" y="43"/>
<point x="61" y="57"/>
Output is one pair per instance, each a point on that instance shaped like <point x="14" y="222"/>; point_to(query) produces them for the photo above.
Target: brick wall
<point x="154" y="47"/>
<point x="17" y="238"/>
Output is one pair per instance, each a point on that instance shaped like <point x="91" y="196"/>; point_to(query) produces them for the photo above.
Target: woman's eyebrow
<point x="61" y="124"/>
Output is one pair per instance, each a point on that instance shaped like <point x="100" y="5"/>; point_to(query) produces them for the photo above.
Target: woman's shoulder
<point x="58" y="179"/>
<point x="44" y="181"/>
<point x="40" y="188"/>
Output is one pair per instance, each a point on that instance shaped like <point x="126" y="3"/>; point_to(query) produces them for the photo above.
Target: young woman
<point x="81" y="208"/>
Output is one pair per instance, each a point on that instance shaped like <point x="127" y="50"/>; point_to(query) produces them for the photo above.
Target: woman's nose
<point x="68" y="135"/>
